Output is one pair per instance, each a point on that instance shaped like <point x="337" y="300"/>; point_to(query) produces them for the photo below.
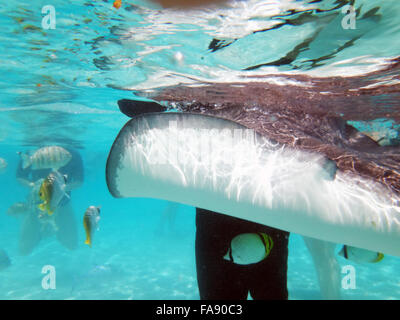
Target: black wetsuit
<point x="219" y="279"/>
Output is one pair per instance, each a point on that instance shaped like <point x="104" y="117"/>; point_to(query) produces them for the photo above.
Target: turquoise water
<point x="61" y="87"/>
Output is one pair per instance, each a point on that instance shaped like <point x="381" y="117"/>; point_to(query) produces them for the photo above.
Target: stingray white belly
<point x="219" y="165"/>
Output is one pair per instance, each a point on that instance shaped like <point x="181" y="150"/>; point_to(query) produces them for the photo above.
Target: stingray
<point x="282" y="156"/>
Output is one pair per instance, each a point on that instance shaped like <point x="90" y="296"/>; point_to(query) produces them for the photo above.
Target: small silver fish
<point x="5" y="261"/>
<point x="360" y="255"/>
<point x="90" y="223"/>
<point x="52" y="157"/>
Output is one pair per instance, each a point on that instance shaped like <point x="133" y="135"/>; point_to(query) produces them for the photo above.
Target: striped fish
<point x="52" y="192"/>
<point x="52" y="157"/>
<point x="90" y="223"/>
<point x="249" y="248"/>
<point x="359" y="255"/>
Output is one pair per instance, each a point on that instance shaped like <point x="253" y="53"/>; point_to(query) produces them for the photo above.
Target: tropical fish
<point x="18" y="209"/>
<point x="360" y="255"/>
<point x="248" y="248"/>
<point x="52" y="191"/>
<point x="5" y="261"/>
<point x="253" y="151"/>
<point x="90" y="223"/>
<point x="52" y="157"/>
<point x="3" y="165"/>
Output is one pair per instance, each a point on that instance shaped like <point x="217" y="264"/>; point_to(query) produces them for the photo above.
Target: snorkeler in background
<point x="221" y="241"/>
<point x="37" y="224"/>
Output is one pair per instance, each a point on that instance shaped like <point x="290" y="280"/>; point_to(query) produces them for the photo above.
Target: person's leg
<point x="67" y="233"/>
<point x="29" y="234"/>
<point x="268" y="278"/>
<point x="326" y="265"/>
<point x="217" y="278"/>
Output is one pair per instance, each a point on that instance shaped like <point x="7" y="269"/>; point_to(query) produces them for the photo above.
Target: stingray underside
<point x="220" y="165"/>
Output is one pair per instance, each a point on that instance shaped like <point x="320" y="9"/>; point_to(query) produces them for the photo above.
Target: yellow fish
<point x="52" y="191"/>
<point x="45" y="193"/>
<point x="90" y="223"/>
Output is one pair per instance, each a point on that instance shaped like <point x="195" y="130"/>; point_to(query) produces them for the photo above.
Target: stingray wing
<point x="220" y="165"/>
